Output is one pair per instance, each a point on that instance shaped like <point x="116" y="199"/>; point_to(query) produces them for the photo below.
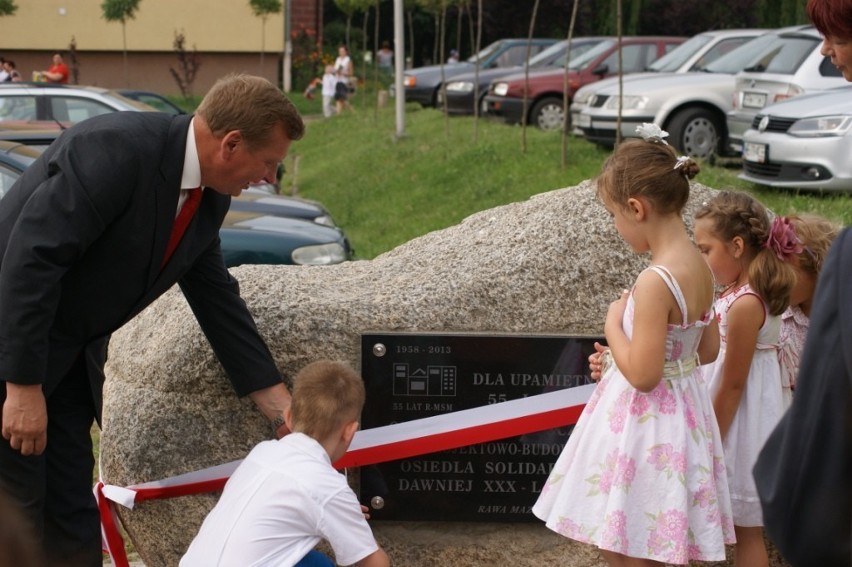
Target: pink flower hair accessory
<point x="783" y="239"/>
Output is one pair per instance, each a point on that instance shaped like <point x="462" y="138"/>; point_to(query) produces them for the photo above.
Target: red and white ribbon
<point x="370" y="446"/>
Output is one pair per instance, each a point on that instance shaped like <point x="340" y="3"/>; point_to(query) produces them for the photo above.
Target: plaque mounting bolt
<point x="379" y="349"/>
<point x="377" y="502"/>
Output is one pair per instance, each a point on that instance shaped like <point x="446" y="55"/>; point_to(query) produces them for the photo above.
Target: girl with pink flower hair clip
<point x="750" y="257"/>
<point x="816" y="235"/>
<point x="642" y="476"/>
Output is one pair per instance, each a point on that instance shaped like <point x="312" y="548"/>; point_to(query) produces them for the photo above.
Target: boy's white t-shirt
<point x="282" y="499"/>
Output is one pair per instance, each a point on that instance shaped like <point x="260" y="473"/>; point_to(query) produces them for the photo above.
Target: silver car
<point x="690" y="106"/>
<point x="804" y="142"/>
<point x="692" y="55"/>
<point x="790" y="67"/>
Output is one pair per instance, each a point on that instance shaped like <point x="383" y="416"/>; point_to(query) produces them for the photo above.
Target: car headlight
<point x="460" y="87"/>
<point x="582" y="96"/>
<point x="319" y="254"/>
<point x="629" y="102"/>
<point x="325" y="220"/>
<point x="500" y="89"/>
<point x="821" y="126"/>
<point x="409" y="81"/>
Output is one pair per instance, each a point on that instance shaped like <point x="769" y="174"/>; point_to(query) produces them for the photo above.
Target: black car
<point x="422" y="83"/>
<point x="460" y="90"/>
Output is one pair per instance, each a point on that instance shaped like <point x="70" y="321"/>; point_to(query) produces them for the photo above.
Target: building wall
<point x="227" y="35"/>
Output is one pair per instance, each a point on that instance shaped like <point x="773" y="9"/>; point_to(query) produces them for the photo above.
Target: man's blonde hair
<point x="326" y="395"/>
<point x="252" y="105"/>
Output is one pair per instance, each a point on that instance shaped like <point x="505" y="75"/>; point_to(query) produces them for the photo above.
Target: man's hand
<point x="272" y="402"/>
<point x="25" y="418"/>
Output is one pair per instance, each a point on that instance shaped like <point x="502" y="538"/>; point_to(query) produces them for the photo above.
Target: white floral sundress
<point x="760" y="410"/>
<point x="643" y="474"/>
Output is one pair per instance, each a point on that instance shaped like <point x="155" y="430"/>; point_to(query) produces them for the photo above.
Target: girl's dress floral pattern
<point x="643" y="474"/>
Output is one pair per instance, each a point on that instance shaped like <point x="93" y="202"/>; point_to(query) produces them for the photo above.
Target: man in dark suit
<point x="83" y="241"/>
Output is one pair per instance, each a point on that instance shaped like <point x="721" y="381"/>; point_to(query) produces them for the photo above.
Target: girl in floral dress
<point x="816" y="234"/>
<point x="748" y="255"/>
<point x="642" y="476"/>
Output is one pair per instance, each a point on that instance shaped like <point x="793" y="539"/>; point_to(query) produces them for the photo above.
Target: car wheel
<point x="548" y="114"/>
<point x="695" y="132"/>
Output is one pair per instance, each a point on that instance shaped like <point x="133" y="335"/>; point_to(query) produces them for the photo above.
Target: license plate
<point x="584" y="121"/>
<point x="484" y="109"/>
<point x="754" y="100"/>
<point x="754" y="152"/>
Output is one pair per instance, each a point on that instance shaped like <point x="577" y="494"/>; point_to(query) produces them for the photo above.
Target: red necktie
<point x="193" y="198"/>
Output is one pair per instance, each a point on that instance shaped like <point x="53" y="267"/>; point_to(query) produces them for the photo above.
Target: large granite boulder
<point x="550" y="264"/>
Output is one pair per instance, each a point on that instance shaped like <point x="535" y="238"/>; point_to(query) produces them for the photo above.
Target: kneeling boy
<point x="286" y="496"/>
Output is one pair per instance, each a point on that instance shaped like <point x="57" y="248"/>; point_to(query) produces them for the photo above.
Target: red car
<point x="546" y="87"/>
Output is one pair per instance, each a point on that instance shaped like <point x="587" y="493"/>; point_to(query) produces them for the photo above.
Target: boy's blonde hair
<point x="816" y="234"/>
<point x="326" y="395"/>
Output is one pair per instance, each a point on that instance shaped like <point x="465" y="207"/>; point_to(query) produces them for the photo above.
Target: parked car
<point x="791" y="67"/>
<point x="258" y="228"/>
<point x="804" y="142"/>
<point x="690" y="106"/>
<point x="154" y="100"/>
<point x="46" y="105"/>
<point x="422" y="83"/>
<point x="546" y="86"/>
<point x="695" y="54"/>
<point x="461" y="89"/>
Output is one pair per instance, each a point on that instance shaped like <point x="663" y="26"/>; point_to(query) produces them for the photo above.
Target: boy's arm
<point x="376" y="559"/>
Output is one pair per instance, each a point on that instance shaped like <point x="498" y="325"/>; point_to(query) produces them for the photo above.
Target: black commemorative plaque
<point x="412" y="376"/>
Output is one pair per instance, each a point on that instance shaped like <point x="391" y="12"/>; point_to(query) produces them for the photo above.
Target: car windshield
<point x="584" y="59"/>
<point x="674" y="59"/>
<point x="556" y="52"/>
<point x="772" y="52"/>
<point x="484" y="53"/>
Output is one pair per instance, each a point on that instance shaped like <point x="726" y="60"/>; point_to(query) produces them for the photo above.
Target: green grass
<point x="384" y="192"/>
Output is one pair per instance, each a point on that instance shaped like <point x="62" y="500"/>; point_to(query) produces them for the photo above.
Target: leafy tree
<point x="349" y="7"/>
<point x="121" y="11"/>
<point x="7" y="7"/>
<point x="262" y="9"/>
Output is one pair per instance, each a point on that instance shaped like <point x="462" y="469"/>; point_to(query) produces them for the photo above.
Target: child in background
<point x="748" y="255"/>
<point x="816" y="235"/>
<point x="286" y="496"/>
<point x="329" y="81"/>
<point x="642" y="476"/>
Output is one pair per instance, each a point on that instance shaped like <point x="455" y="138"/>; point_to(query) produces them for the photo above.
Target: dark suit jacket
<point x="82" y="237"/>
<point x="804" y="472"/>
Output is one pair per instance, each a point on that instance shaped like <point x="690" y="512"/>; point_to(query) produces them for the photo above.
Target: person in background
<point x="749" y="256"/>
<point x="341" y="92"/>
<point x="286" y="496"/>
<point x="343" y="64"/>
<point x="329" y="82"/>
<point x="12" y="71"/>
<point x="454" y="56"/>
<point x="4" y="73"/>
<point x="803" y="472"/>
<point x="58" y="71"/>
<point x="385" y="58"/>
<point x="642" y="476"/>
<point x="89" y="237"/>
<point x="816" y="235"/>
